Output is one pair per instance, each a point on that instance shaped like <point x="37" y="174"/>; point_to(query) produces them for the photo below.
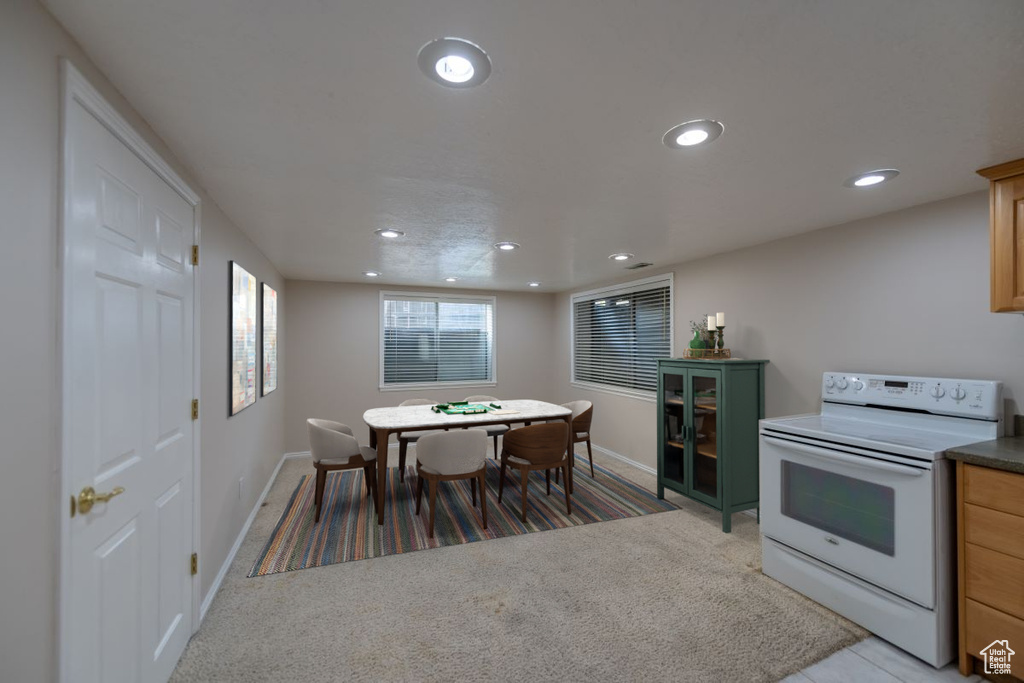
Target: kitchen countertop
<point x="1001" y="454"/>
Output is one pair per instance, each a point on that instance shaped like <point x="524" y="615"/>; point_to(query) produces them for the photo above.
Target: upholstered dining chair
<point x="449" y="456"/>
<point x="537" y="447"/>
<point x="493" y="431"/>
<point x="582" y="415"/>
<point x="406" y="438"/>
<point x="334" y="447"/>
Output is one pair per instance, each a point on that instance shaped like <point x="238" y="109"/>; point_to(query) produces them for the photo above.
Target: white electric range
<point x="857" y="509"/>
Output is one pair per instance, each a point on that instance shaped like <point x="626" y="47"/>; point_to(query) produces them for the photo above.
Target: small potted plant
<point x="701" y="336"/>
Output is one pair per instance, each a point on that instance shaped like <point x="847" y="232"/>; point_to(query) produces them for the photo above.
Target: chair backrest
<point x="582" y="414"/>
<point x="458" y="452"/>
<point x="538" y="444"/>
<point x="419" y="402"/>
<point x="481" y="398"/>
<point x="330" y="440"/>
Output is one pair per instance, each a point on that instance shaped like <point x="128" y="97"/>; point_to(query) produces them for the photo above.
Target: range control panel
<point x="981" y="399"/>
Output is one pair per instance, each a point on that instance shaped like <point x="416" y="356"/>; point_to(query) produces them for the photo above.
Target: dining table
<point x="383" y="422"/>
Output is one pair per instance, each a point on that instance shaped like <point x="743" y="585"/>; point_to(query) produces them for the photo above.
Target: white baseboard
<point x="647" y="469"/>
<point x="629" y="461"/>
<point x="208" y="600"/>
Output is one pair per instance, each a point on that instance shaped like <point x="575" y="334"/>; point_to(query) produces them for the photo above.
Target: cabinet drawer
<point x="994" y="489"/>
<point x="995" y="579"/>
<point x="985" y="625"/>
<point x="994" y="530"/>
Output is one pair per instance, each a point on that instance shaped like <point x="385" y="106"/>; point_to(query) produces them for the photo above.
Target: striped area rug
<point x="348" y="528"/>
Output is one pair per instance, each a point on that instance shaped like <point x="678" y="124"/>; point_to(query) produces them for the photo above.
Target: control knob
<point x="958" y="394"/>
<point x="938" y="392"/>
<point x="842" y="383"/>
<point x="857" y="385"/>
<point x="829" y="383"/>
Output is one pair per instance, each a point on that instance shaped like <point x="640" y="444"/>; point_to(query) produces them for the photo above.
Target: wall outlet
<point x="240" y="486"/>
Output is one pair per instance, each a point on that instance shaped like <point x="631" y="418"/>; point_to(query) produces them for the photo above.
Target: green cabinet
<point x="707" y="431"/>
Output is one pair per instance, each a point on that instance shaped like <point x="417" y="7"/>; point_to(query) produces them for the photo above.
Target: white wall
<point x="907" y="292"/>
<point x="332" y="359"/>
<point x="31" y="43"/>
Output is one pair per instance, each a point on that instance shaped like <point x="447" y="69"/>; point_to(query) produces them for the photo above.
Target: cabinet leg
<point x="661" y="492"/>
<point x="727" y="522"/>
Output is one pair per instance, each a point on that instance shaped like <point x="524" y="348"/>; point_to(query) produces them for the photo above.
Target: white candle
<point x="721" y="319"/>
<point x="711" y="323"/>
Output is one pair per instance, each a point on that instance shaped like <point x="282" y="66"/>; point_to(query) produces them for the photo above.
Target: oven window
<point x="850" y="508"/>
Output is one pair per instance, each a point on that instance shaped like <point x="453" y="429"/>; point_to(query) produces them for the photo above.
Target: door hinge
<point x="195" y="564"/>
<point x="195" y="254"/>
<point x="195" y="409"/>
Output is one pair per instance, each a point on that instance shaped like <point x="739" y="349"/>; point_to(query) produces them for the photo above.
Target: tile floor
<point x="876" y="661"/>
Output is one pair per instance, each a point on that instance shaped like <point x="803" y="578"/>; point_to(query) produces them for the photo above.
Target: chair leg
<point x="318" y="496"/>
<point x="403" y="447"/>
<point x="433" y="505"/>
<point x="568" y="503"/>
<point x="525" y="472"/>
<point x="495" y="446"/>
<point x="483" y="498"/>
<point x="472" y="485"/>
<point x="501" y="481"/>
<point x="558" y="473"/>
<point x="366" y="478"/>
<point x="419" y="491"/>
<point x="590" y="454"/>
<point x="547" y="476"/>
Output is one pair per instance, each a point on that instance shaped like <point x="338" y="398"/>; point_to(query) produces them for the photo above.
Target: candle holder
<point x="711" y="338"/>
<point x="721" y="337"/>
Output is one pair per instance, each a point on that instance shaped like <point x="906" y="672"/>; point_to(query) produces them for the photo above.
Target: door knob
<point x="88" y="497"/>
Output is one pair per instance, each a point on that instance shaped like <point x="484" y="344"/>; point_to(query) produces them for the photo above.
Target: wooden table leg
<point x="380" y="436"/>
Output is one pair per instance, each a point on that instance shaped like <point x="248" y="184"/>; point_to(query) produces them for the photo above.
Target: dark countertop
<point x="1001" y="454"/>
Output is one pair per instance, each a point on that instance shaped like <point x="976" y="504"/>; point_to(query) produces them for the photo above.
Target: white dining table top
<point x="407" y="417"/>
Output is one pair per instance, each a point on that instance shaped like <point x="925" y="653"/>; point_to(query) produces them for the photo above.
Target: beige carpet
<point x="662" y="597"/>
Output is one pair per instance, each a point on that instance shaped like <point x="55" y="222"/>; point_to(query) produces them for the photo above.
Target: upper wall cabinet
<point x="1007" y="234"/>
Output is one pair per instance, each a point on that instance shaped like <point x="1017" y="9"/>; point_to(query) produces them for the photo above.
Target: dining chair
<point x="406" y="438"/>
<point x="450" y="456"/>
<point x="582" y="415"/>
<point x="493" y="431"/>
<point x="537" y="447"/>
<point x="334" y="447"/>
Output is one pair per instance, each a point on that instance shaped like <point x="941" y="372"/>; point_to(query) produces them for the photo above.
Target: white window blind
<point x="620" y="333"/>
<point x="428" y="340"/>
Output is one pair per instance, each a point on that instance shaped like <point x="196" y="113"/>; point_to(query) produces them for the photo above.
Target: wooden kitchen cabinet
<point x="1006" y="182"/>
<point x="990" y="553"/>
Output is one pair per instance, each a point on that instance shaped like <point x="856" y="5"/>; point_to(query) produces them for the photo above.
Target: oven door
<point x="866" y="513"/>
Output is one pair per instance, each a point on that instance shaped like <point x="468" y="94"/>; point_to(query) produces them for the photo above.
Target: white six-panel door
<point x="128" y="352"/>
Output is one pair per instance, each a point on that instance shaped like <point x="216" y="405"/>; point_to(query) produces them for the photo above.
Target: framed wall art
<point x="269" y="339"/>
<point x="243" y="338"/>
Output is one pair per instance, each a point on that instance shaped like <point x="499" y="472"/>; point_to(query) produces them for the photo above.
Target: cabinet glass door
<point x="674" y="425"/>
<point x="703" y="466"/>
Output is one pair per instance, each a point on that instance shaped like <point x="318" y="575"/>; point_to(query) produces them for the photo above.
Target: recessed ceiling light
<point x="454" y="63"/>
<point x="451" y="279"/>
<point x="692" y="133"/>
<point x="622" y="302"/>
<point x="872" y="177"/>
<point x="389" y="233"/>
<point x="623" y="256"/>
<point x="506" y="246"/>
<point x="602" y="302"/>
<point x="535" y="284"/>
<point x="371" y="273"/>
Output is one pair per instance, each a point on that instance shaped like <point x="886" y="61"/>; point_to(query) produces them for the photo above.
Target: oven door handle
<point x="856" y="461"/>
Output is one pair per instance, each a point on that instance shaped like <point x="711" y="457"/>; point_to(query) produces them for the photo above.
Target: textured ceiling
<point x="311" y="126"/>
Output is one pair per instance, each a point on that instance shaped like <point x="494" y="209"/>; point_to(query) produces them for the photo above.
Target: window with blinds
<point x="436" y="341"/>
<point x="619" y="334"/>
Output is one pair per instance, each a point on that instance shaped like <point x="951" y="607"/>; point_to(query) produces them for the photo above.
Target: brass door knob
<point x="88" y="497"/>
